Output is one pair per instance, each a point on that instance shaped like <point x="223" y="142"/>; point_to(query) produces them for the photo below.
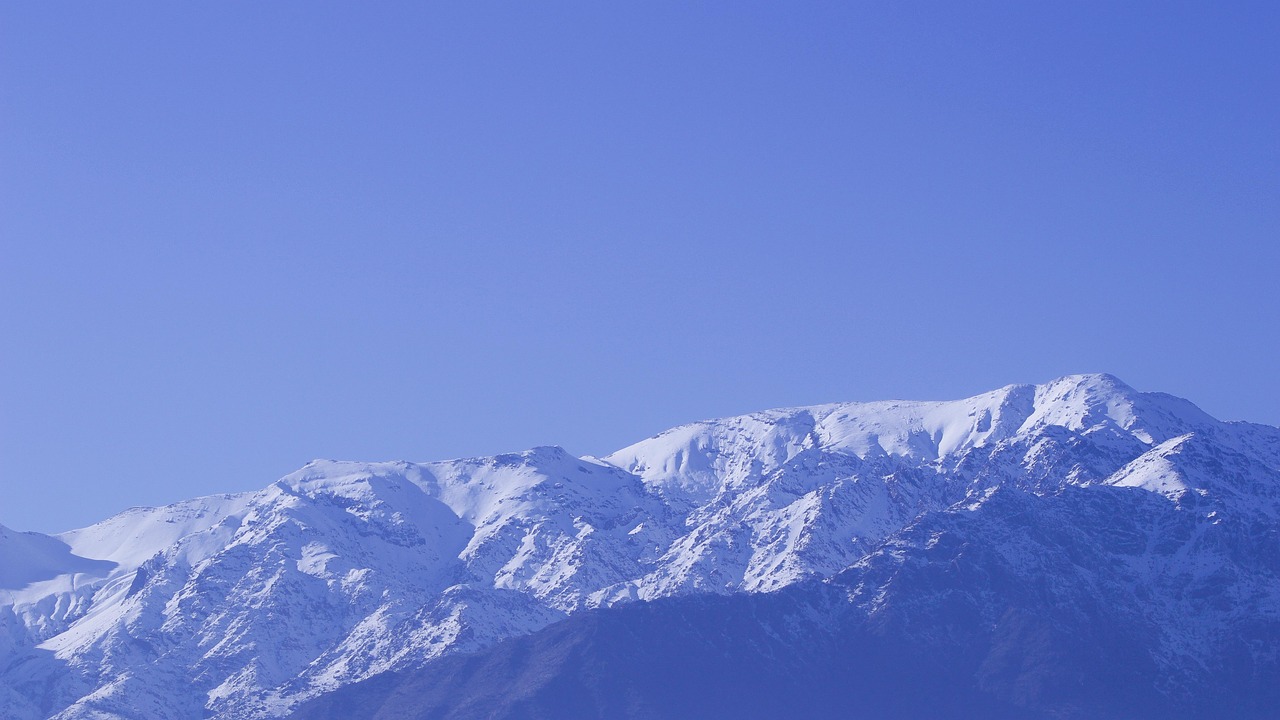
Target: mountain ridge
<point x="340" y="571"/>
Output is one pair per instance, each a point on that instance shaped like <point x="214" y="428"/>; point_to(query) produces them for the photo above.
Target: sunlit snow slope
<point x="242" y="606"/>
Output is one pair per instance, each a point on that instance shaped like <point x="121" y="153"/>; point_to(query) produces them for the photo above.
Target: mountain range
<point x="1076" y="549"/>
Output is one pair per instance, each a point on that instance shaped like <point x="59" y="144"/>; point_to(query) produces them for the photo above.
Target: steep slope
<point x="739" y="656"/>
<point x="333" y="573"/>
<point x="1020" y="606"/>
<point x="243" y="606"/>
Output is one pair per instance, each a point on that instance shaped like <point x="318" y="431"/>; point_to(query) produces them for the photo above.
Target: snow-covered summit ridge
<point x="341" y="570"/>
<point x="28" y="558"/>
<point x="697" y="460"/>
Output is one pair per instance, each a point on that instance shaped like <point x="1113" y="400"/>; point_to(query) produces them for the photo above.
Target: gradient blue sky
<point x="238" y="236"/>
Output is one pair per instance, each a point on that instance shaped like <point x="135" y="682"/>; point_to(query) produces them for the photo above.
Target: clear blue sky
<point x="238" y="236"/>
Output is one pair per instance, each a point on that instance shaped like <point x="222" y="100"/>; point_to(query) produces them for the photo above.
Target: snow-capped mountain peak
<point x="240" y="606"/>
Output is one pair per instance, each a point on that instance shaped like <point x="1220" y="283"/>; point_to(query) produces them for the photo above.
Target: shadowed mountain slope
<point x="1021" y="531"/>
